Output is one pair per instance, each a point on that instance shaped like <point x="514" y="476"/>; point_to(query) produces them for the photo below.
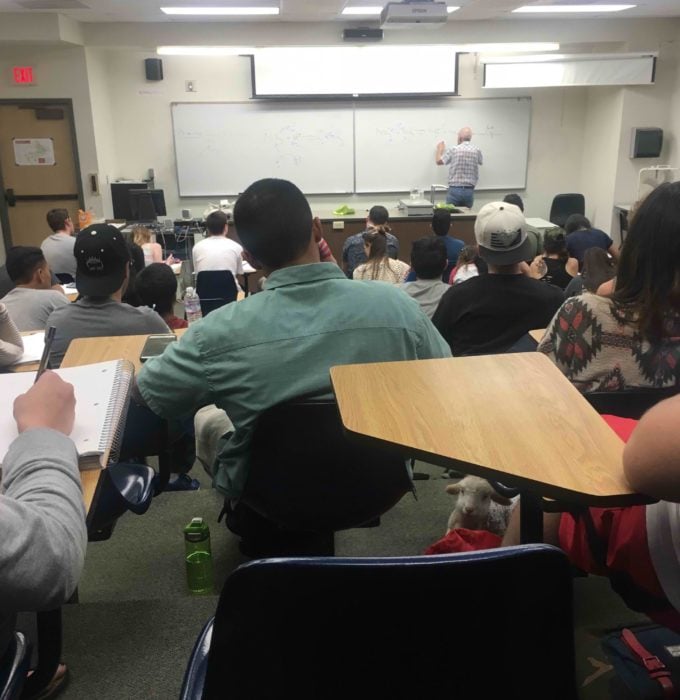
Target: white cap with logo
<point x="500" y="230"/>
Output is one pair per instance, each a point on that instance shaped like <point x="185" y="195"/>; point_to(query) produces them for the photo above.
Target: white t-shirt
<point x="218" y="253"/>
<point x="663" y="540"/>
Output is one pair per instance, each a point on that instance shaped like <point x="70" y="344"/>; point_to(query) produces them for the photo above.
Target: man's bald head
<point x="465" y="134"/>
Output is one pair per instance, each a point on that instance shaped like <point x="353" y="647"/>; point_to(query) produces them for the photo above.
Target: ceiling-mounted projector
<point x="397" y="15"/>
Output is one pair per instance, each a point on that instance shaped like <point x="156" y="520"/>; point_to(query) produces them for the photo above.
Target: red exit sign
<point x="22" y="75"/>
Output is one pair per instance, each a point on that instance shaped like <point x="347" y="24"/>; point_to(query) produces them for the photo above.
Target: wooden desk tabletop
<point x="537" y="334"/>
<point x="85" y="351"/>
<point x="514" y="418"/>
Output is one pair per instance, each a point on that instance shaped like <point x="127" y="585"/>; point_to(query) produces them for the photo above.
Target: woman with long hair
<point x="554" y="266"/>
<point x="152" y="251"/>
<point x="633" y="338"/>
<point x="379" y="266"/>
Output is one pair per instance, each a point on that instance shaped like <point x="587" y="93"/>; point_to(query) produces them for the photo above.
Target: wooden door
<point x="38" y="168"/>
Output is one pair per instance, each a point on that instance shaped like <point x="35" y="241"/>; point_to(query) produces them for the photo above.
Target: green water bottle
<point x="198" y="557"/>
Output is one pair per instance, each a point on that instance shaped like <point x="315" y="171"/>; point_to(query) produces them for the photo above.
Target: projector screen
<point x="354" y="71"/>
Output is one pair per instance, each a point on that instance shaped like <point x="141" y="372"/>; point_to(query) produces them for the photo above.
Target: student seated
<point x="554" y="266"/>
<point x="156" y="287"/>
<point x="137" y="264"/>
<point x="490" y="313"/>
<point x="142" y="237"/>
<point x="11" y="344"/>
<point x="217" y="251"/>
<point x="33" y="299"/>
<point x="379" y="267"/>
<point x="428" y="259"/>
<point x="325" y="253"/>
<point x="581" y="236"/>
<point x="533" y="234"/>
<point x="353" y="250"/>
<point x="101" y="278"/>
<point x="281" y="343"/>
<point x="441" y="224"/>
<point x="467" y="266"/>
<point x="598" y="267"/>
<point x="636" y="546"/>
<point x="42" y="515"/>
<point x="633" y="338"/>
<point x="58" y="248"/>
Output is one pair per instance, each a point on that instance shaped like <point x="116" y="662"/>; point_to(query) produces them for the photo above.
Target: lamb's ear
<point x="501" y="500"/>
<point x="453" y="488"/>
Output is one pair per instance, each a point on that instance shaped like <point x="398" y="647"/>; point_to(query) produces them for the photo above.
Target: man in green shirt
<point x="281" y="343"/>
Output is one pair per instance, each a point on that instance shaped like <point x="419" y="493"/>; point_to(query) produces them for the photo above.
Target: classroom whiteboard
<point x="395" y="144"/>
<point x="221" y="148"/>
<point x="327" y="148"/>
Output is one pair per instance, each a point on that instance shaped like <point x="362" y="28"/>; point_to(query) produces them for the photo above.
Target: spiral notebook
<point x="102" y="393"/>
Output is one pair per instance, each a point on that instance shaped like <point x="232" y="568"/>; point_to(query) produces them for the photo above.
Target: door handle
<point x="10" y="198"/>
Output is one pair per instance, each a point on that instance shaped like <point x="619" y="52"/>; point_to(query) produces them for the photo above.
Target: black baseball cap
<point x="101" y="255"/>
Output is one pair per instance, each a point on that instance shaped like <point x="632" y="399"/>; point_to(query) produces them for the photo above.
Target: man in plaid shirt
<point x="463" y="161"/>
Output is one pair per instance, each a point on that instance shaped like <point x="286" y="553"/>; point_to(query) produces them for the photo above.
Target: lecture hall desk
<point x="85" y="351"/>
<point x="512" y="418"/>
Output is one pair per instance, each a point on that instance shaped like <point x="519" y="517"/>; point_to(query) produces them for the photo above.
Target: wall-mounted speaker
<point x="153" y="68"/>
<point x="362" y="34"/>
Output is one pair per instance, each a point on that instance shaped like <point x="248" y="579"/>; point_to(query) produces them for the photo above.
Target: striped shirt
<point x="463" y="161"/>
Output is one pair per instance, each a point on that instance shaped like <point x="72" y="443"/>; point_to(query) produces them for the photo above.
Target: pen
<point x="49" y="337"/>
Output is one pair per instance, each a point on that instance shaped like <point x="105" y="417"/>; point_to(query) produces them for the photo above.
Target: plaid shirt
<point x="463" y="161"/>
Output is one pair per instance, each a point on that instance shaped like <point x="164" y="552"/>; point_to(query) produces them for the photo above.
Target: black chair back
<point x="65" y="278"/>
<point x="623" y="224"/>
<point x="491" y="624"/>
<point x="564" y="205"/>
<point x="630" y="403"/>
<point x="215" y="288"/>
<point x="13" y="667"/>
<point x="305" y="475"/>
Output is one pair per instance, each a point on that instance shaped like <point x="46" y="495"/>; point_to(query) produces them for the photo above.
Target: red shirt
<point x="174" y="322"/>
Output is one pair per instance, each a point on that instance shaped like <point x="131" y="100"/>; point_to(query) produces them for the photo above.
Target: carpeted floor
<point x="132" y="632"/>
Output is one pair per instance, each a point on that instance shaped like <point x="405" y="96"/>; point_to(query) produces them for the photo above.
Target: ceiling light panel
<point x="221" y="11"/>
<point x="561" y="9"/>
<point x="362" y="11"/>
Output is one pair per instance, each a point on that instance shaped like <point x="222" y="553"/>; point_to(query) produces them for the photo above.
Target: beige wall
<point x="142" y="127"/>
<point x="61" y="72"/>
<point x="579" y="136"/>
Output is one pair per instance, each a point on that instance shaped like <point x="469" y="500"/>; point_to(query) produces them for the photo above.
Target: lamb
<point x="478" y="506"/>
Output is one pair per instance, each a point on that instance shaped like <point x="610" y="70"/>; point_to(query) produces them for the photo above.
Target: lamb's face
<point x="474" y="499"/>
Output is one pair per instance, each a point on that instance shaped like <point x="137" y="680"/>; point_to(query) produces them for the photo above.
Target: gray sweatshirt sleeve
<point x="42" y="522"/>
<point x="11" y="344"/>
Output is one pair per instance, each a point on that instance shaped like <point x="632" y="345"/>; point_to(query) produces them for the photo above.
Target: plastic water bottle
<point x="192" y="305"/>
<point x="198" y="556"/>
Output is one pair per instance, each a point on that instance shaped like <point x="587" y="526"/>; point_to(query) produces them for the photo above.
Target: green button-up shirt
<point x="280" y="344"/>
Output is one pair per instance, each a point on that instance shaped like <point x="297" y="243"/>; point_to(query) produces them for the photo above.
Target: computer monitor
<point x="147" y="205"/>
<point x="120" y="198"/>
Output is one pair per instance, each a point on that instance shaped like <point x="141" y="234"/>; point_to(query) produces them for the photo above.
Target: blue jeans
<point x="460" y="196"/>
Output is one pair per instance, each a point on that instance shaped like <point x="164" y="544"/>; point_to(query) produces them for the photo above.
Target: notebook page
<point x="93" y="386"/>
<point x="33" y="347"/>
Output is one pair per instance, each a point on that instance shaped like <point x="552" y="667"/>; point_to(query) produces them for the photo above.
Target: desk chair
<point x="215" y="288"/>
<point x="630" y="403"/>
<point x="65" y="278"/>
<point x="494" y="624"/>
<point x="564" y="205"/>
<point x="623" y="224"/>
<point x="307" y="480"/>
<point x="130" y="485"/>
<point x="122" y="488"/>
<point x="13" y="667"/>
